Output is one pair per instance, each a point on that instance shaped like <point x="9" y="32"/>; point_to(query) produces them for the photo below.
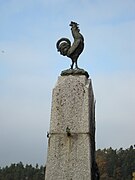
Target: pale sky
<point x="30" y="66"/>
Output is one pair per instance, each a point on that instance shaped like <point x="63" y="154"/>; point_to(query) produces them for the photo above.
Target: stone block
<point x="71" y="154"/>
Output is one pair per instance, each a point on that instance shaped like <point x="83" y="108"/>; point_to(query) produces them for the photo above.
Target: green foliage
<point x="112" y="164"/>
<point x="116" y="164"/>
<point x="21" y="172"/>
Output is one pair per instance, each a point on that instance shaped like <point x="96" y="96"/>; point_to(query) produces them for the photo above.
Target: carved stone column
<point x="71" y="142"/>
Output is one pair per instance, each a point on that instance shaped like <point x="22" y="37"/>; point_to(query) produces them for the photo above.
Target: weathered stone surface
<point x="70" y="156"/>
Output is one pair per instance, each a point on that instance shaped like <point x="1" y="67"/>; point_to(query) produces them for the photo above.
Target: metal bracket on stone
<point x="68" y="133"/>
<point x="48" y="134"/>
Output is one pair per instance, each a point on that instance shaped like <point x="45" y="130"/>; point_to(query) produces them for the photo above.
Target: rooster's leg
<point x="76" y="66"/>
<point x="72" y="64"/>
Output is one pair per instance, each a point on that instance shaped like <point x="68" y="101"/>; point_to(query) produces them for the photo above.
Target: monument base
<point x="74" y="72"/>
<point x="71" y="143"/>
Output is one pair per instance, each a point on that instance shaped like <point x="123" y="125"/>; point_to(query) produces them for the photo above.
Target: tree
<point x="116" y="164"/>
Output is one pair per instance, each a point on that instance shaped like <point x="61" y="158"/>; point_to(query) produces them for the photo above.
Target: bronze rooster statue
<point x="72" y="51"/>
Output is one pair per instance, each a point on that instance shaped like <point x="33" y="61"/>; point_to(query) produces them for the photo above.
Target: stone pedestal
<point x="71" y="142"/>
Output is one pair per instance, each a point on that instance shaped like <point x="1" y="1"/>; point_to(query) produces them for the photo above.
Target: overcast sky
<point x="30" y="66"/>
